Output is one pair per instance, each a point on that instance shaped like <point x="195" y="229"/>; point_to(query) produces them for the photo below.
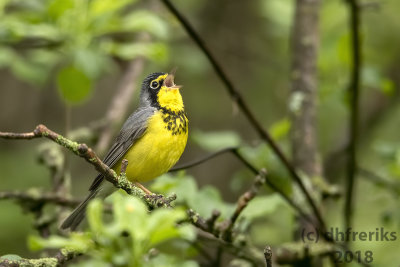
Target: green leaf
<point x="91" y="61"/>
<point x="343" y="50"/>
<point x="76" y="242"/>
<point x="371" y="76"/>
<point x="184" y="186"/>
<point x="213" y="141"/>
<point x="28" y="71"/>
<point x="7" y="55"/>
<point x="162" y="226"/>
<point x="262" y="206"/>
<point x="261" y="156"/>
<point x="170" y="261"/>
<point x="145" y="21"/>
<point x="130" y="215"/>
<point x="94" y="215"/>
<point x="73" y="84"/>
<point x="280" y="129"/>
<point x="101" y="7"/>
<point x="58" y="7"/>
<point x="203" y="201"/>
<point x="209" y="199"/>
<point x="387" y="150"/>
<point x="388" y="87"/>
<point x="104" y="242"/>
<point x="3" y="4"/>
<point x="280" y="12"/>
<point x="257" y="155"/>
<point x="154" y="51"/>
<point x="283" y="182"/>
<point x="42" y="30"/>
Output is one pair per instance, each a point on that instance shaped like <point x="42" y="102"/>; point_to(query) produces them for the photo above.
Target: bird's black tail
<point x="76" y="217"/>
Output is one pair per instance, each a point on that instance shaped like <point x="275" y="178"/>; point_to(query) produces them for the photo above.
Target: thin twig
<point x="203" y="159"/>
<point x="378" y="180"/>
<point x="354" y="89"/>
<point x="244" y="251"/>
<point x="34" y="43"/>
<point x="214" y="216"/>
<point x="213" y="233"/>
<point x="273" y="186"/>
<point x="268" y="256"/>
<point x="242" y="203"/>
<point x="200" y="222"/>
<point x="202" y="251"/>
<point x="10" y="135"/>
<point x="38" y="198"/>
<point x="371" y="5"/>
<point x="217" y="256"/>
<point x="237" y="97"/>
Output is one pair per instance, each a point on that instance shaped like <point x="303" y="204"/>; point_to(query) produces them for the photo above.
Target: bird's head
<point x="160" y="91"/>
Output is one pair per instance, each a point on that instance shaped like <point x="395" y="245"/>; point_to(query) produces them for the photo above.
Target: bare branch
<point x="268" y="256"/>
<point x="203" y="159"/>
<point x="242" y="251"/>
<point x="393" y="186"/>
<point x="354" y="24"/>
<point x="211" y="221"/>
<point x="242" y="203"/>
<point x="200" y="222"/>
<point x="9" y="135"/>
<point x="239" y="100"/>
<point x="39" y="198"/>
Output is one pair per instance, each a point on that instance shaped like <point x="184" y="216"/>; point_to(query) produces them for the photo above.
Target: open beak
<point x="169" y="81"/>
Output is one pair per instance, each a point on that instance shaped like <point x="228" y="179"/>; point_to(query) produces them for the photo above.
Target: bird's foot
<point x="147" y="191"/>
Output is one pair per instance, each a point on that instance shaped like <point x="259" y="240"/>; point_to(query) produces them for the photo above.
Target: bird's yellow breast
<point x="159" y="148"/>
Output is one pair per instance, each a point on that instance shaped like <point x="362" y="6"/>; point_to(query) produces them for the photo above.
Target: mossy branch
<point x="83" y="151"/>
<point x="61" y="257"/>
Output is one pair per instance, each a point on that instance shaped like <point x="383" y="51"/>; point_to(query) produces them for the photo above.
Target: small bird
<point x="152" y="139"/>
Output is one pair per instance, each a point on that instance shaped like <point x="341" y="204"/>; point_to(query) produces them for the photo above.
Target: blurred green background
<point x="48" y="47"/>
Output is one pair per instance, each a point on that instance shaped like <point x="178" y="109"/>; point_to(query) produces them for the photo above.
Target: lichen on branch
<point x="83" y="151"/>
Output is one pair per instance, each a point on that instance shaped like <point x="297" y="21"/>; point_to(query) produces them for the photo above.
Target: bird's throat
<point x="170" y="99"/>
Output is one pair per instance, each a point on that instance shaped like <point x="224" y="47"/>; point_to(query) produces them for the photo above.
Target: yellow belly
<point x="155" y="152"/>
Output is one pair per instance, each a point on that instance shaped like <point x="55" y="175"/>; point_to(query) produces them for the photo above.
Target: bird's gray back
<point x="134" y="128"/>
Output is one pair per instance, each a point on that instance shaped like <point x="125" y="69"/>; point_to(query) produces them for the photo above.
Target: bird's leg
<point x="147" y="191"/>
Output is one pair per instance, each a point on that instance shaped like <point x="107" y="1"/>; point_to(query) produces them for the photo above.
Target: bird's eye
<point x="154" y="85"/>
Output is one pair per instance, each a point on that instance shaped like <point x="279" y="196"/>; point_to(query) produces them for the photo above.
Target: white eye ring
<point x="154" y="85"/>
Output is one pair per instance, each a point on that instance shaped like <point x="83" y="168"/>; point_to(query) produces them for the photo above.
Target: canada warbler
<point x="152" y="140"/>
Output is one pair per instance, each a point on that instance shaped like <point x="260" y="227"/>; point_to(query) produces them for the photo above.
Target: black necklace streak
<point x="176" y="122"/>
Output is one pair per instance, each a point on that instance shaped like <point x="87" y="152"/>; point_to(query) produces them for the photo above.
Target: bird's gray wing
<point x="131" y="131"/>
